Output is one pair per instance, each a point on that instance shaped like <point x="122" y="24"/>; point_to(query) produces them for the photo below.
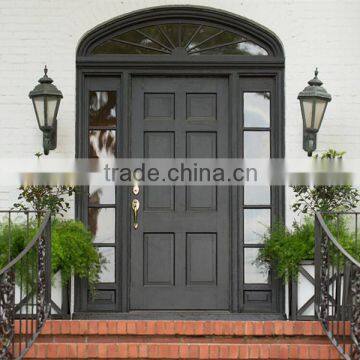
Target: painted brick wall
<point x="320" y="33"/>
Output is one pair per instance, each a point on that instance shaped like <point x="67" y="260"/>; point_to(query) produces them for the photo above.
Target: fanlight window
<point x="190" y="39"/>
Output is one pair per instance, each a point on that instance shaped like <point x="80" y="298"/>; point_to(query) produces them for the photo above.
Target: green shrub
<point x="13" y="240"/>
<point x="72" y="250"/>
<point x="285" y="249"/>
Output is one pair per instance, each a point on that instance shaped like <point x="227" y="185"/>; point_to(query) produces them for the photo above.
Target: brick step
<point x="59" y="339"/>
<point x="181" y="351"/>
<point x="181" y="339"/>
<point x="182" y="328"/>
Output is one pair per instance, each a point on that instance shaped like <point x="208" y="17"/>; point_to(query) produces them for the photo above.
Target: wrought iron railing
<point x="25" y="282"/>
<point x="337" y="280"/>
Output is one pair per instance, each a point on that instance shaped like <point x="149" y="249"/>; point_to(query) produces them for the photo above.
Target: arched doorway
<point x="156" y="83"/>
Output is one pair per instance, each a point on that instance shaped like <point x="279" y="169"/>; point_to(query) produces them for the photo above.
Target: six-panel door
<point x="180" y="254"/>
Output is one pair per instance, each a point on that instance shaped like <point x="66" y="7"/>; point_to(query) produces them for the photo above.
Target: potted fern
<point x="290" y="251"/>
<point x="73" y="252"/>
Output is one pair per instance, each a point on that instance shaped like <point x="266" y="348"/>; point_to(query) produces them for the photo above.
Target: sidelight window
<point x="256" y="111"/>
<point x="102" y="121"/>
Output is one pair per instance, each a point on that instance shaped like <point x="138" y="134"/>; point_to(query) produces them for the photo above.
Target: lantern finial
<point x="45" y="79"/>
<point x="315" y="81"/>
<point x="316" y="72"/>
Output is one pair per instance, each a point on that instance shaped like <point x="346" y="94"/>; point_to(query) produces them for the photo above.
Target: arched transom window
<point x="180" y="39"/>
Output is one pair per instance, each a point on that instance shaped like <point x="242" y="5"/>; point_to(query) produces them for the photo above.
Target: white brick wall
<point x="322" y="33"/>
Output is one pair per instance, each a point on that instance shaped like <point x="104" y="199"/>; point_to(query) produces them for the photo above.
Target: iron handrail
<point x="337" y="288"/>
<point x="20" y="324"/>
<point x="332" y="237"/>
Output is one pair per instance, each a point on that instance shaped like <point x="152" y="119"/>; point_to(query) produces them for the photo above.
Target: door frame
<point x="125" y="67"/>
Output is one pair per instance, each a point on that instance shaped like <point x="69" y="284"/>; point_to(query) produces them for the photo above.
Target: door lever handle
<point x="135" y="205"/>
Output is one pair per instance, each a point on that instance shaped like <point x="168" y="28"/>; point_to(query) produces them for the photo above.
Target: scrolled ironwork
<point x="25" y="289"/>
<point x="337" y="284"/>
<point x="7" y="304"/>
<point x="324" y="283"/>
<point x="355" y="319"/>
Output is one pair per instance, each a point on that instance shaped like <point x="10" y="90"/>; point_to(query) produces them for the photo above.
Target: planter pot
<point x="59" y="302"/>
<point x="56" y="294"/>
<point x="59" y="298"/>
<point x="302" y="299"/>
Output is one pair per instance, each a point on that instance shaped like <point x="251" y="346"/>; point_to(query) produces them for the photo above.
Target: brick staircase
<point x="145" y="339"/>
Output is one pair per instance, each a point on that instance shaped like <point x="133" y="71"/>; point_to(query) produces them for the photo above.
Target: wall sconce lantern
<point x="313" y="102"/>
<point x="46" y="100"/>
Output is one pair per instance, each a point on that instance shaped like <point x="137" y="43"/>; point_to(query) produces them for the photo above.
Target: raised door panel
<point x="201" y="145"/>
<point x="159" y="145"/>
<point x="159" y="259"/>
<point x="201" y="246"/>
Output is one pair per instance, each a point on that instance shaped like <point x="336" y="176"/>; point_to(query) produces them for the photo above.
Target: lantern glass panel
<point x="307" y="105"/>
<point x="51" y="109"/>
<point x="319" y="112"/>
<point x="40" y="110"/>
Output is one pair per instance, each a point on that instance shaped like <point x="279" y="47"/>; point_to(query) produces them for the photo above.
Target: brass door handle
<point x="135" y="205"/>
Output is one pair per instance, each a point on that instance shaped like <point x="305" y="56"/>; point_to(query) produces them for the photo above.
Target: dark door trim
<point x="126" y="66"/>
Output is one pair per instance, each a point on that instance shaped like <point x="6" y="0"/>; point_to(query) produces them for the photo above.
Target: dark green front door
<point x="180" y="254"/>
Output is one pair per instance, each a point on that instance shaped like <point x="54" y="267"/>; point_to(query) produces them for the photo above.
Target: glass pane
<point x="154" y="33"/>
<point x="204" y="33"/>
<point x="257" y="144"/>
<point x="256" y="224"/>
<point x="253" y="272"/>
<point x="102" y="224"/>
<point x="51" y="107"/>
<point x="221" y="39"/>
<point x="101" y="195"/>
<point x="107" y="274"/>
<point x="319" y="112"/>
<point x="242" y="48"/>
<point x="307" y="106"/>
<point x="138" y="38"/>
<point x="111" y="47"/>
<point x="102" y="143"/>
<point x="172" y="31"/>
<point x="257" y="109"/>
<point x="40" y="109"/>
<point x="249" y="48"/>
<point x="102" y="108"/>
<point x="257" y="195"/>
<point x="187" y="31"/>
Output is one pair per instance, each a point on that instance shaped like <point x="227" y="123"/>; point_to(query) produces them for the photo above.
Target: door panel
<point x="180" y="252"/>
<point x="204" y="247"/>
<point x="201" y="145"/>
<point x="159" y="249"/>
